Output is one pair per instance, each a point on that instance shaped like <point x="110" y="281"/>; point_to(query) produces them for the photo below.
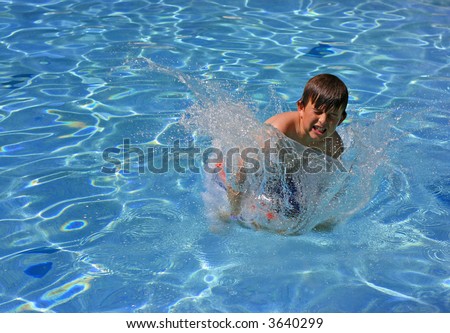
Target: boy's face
<point x="318" y="124"/>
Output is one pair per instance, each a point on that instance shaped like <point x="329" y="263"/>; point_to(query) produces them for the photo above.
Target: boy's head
<point x="326" y="92"/>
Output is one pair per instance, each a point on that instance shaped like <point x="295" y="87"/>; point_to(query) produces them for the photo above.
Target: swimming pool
<point x="76" y="239"/>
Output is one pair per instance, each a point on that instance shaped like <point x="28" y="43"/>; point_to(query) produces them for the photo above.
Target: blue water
<point x="73" y="83"/>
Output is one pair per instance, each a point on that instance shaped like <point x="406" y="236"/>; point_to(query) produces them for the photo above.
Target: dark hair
<point x="326" y="91"/>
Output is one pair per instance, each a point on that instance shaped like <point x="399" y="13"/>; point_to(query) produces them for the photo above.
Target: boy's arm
<point x="235" y="200"/>
<point x="281" y="122"/>
<point x="235" y="196"/>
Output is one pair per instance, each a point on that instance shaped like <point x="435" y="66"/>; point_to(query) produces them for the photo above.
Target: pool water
<point x="74" y="83"/>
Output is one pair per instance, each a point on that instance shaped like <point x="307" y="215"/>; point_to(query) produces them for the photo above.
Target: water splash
<point x="276" y="198"/>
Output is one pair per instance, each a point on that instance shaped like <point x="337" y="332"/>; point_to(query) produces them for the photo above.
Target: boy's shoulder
<point x="283" y="121"/>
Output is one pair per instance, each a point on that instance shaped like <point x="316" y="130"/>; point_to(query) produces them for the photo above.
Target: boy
<point x="320" y="110"/>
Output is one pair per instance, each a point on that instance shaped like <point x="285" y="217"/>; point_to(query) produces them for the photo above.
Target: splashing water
<point x="280" y="195"/>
